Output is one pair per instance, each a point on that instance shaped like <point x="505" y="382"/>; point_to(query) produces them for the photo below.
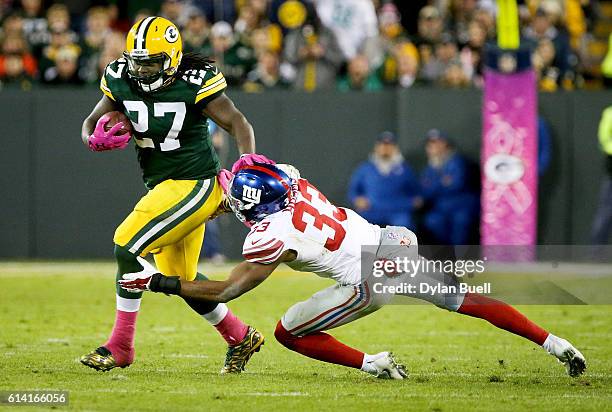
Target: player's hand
<point x="225" y="177"/>
<point x="102" y="140"/>
<point x="224" y="207"/>
<point x="137" y="282"/>
<point x="249" y="159"/>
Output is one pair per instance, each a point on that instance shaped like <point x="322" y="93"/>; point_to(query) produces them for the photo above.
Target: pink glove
<point x="225" y="177"/>
<point x="249" y="159"/>
<point x="102" y="140"/>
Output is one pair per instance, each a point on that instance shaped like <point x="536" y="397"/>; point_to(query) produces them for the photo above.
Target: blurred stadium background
<point x="318" y="80"/>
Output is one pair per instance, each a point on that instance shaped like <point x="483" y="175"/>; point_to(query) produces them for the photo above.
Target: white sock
<point x="551" y="344"/>
<point x="367" y="365"/>
<point x="217" y="315"/>
<point x="128" y="305"/>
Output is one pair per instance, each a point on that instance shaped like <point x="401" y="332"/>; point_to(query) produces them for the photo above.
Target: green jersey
<point x="170" y="131"/>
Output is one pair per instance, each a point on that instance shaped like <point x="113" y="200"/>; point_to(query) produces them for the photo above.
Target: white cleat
<point x="384" y="366"/>
<point x="566" y="353"/>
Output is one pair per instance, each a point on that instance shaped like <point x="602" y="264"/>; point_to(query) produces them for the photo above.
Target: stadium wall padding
<point x="62" y="201"/>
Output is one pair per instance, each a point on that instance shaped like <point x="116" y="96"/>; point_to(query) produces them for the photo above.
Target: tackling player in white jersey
<point x="292" y="222"/>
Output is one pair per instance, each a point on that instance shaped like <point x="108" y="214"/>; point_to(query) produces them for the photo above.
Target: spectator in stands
<point x="17" y="65"/>
<point x="454" y="77"/>
<point x="486" y="18"/>
<point x="390" y="29"/>
<point x="196" y="34"/>
<point x="543" y="63"/>
<point x="383" y="189"/>
<point x="97" y="31"/>
<point x="113" y="49"/>
<point x="35" y="25"/>
<point x="59" y="39"/>
<point x="602" y="223"/>
<point x="58" y="18"/>
<point x="176" y="11"/>
<point x="430" y="29"/>
<point x="65" y="71"/>
<point x="445" y="53"/>
<point x="354" y="24"/>
<point x="462" y="14"/>
<point x="359" y="76"/>
<point x="541" y="27"/>
<point x="472" y="52"/>
<point x="13" y="25"/>
<point x="266" y="74"/>
<point x="313" y="54"/>
<point x="401" y="68"/>
<point x="253" y="21"/>
<point x="451" y="208"/>
<point x="233" y="58"/>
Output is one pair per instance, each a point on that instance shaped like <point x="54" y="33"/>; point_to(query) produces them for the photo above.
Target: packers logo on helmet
<point x="153" y="51"/>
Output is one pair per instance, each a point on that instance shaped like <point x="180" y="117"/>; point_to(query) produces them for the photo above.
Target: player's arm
<point x="223" y="111"/>
<point x="244" y="277"/>
<point x="105" y="105"/>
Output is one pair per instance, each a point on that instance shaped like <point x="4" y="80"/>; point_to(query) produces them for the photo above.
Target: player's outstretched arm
<point x="223" y="111"/>
<point x="244" y="277"/>
<point x="105" y="105"/>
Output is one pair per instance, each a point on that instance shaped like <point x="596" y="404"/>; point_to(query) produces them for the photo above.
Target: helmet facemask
<point x="150" y="72"/>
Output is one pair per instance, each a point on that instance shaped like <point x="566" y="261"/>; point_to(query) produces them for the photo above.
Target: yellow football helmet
<point x="153" y="50"/>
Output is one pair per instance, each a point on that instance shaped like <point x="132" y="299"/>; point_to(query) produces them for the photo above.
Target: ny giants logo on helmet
<point x="251" y="195"/>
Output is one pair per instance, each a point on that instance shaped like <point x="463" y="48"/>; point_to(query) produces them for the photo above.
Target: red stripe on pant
<point x="324" y="313"/>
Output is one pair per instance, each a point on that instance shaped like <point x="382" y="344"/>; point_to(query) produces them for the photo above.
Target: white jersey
<point x="352" y="21"/>
<point x="326" y="238"/>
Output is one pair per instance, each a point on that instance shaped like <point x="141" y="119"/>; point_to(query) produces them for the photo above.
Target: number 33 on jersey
<point x="170" y="131"/>
<point x="326" y="238"/>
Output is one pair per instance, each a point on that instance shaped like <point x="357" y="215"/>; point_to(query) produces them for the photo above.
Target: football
<point x="116" y="117"/>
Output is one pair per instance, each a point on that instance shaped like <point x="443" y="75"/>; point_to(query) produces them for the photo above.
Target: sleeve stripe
<point x="258" y="247"/>
<point x="213" y="85"/>
<point x="213" y="79"/>
<point x="266" y="252"/>
<point x="271" y="259"/>
<point x="105" y="89"/>
<point x="211" y="92"/>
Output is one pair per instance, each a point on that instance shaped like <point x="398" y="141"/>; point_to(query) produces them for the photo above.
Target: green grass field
<point x="51" y="313"/>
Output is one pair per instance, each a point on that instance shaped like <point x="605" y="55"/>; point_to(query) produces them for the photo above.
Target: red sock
<point x="320" y="346"/>
<point x="503" y="316"/>
<point x="232" y="329"/>
<point x="121" y="341"/>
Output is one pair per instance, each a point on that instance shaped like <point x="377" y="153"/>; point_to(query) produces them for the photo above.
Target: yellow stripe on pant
<point x="169" y="222"/>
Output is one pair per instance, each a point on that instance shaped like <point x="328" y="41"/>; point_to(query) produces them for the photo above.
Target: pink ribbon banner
<point x="509" y="162"/>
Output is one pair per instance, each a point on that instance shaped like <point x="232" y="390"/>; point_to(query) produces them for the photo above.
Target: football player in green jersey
<point x="168" y="97"/>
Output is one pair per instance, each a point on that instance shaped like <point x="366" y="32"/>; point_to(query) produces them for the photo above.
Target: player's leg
<point x="181" y="258"/>
<point x="506" y="317"/>
<point x="301" y="330"/>
<point x="494" y="311"/>
<point x="168" y="206"/>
